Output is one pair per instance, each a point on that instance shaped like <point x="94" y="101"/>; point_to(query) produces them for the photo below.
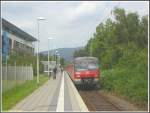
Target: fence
<point x="15" y="75"/>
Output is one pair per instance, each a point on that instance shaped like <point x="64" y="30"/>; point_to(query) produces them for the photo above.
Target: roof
<point x="50" y="62"/>
<point x="85" y="58"/>
<point x="22" y="34"/>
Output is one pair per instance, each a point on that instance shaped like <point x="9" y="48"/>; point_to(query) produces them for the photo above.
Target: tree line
<point x="121" y="45"/>
<point x="119" y="39"/>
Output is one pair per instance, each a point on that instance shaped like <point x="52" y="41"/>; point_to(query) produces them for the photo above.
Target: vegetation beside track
<point x="13" y="96"/>
<point x="127" y="83"/>
<point x="122" y="49"/>
<point x="129" y="78"/>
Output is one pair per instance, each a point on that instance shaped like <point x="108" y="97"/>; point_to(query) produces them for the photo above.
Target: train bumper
<point x="86" y="81"/>
<point x="77" y="81"/>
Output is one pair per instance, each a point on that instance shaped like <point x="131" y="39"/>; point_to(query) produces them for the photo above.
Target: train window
<point x="86" y="65"/>
<point x="93" y="66"/>
<point x="80" y="66"/>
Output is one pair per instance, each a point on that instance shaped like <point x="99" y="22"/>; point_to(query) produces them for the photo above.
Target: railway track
<point x="97" y="102"/>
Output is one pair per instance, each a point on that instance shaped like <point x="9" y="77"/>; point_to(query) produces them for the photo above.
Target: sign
<point x="52" y="65"/>
<point x="5" y="46"/>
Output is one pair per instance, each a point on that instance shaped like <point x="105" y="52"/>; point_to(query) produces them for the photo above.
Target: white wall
<point x="14" y="37"/>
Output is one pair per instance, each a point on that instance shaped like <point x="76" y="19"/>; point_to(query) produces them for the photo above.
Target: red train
<point x="84" y="71"/>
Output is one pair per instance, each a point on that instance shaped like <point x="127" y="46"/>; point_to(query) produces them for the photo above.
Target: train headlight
<point x="96" y="75"/>
<point x="96" y="79"/>
<point x="77" y="75"/>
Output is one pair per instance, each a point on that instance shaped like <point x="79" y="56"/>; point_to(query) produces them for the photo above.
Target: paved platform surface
<point x="55" y="95"/>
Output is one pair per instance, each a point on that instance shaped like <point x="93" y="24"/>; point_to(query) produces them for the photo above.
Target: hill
<point x="66" y="53"/>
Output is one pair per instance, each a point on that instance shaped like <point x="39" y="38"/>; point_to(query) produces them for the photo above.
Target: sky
<point x="70" y="23"/>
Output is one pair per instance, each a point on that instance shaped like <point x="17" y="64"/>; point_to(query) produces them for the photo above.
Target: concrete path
<point x="73" y="100"/>
<point x="55" y="95"/>
<point x="43" y="99"/>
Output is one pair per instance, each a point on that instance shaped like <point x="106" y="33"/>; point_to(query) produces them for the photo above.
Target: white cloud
<point x="69" y="23"/>
<point x="141" y="7"/>
<point x="84" y="8"/>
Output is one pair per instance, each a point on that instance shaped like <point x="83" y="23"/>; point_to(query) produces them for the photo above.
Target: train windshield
<point x="83" y="65"/>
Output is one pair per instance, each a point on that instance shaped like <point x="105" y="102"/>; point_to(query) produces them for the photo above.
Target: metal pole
<point x="59" y="59"/>
<point x="6" y="76"/>
<point x="30" y="71"/>
<point x="56" y="58"/>
<point x="38" y="53"/>
<point x="22" y="77"/>
<point x="6" y="70"/>
<point x="91" y="49"/>
<point x="38" y="19"/>
<point x="48" y="57"/>
<point x="15" y="74"/>
<point x="53" y="54"/>
<point x="26" y="77"/>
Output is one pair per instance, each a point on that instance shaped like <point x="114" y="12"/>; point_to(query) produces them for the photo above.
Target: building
<point x="52" y="64"/>
<point x="19" y="42"/>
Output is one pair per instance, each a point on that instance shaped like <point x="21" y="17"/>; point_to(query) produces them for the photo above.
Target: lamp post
<point x="91" y="49"/>
<point x="54" y="51"/>
<point x="38" y="19"/>
<point x="48" y="54"/>
<point x="56" y="56"/>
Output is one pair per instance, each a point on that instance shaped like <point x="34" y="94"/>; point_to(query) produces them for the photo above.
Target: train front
<point x="86" y="71"/>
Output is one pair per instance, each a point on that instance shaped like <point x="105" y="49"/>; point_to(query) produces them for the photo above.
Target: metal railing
<point x="15" y="75"/>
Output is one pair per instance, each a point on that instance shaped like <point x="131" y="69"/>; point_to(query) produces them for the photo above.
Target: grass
<point x="13" y="96"/>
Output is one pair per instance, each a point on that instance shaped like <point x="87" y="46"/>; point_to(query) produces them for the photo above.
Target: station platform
<point x="58" y="94"/>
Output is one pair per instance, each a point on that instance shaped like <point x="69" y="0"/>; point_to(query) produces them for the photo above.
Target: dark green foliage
<point x="80" y="52"/>
<point x="122" y="48"/>
<point x="62" y="61"/>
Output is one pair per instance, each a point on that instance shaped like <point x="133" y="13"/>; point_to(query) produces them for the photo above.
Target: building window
<point x="16" y="44"/>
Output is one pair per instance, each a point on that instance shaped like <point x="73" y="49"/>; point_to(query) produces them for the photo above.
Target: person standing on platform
<point x="61" y="70"/>
<point x="55" y="72"/>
